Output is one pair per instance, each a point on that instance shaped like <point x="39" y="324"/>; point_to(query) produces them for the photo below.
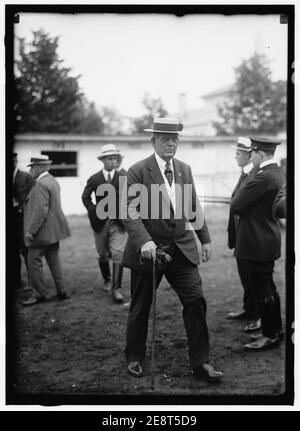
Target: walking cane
<point x="154" y="281"/>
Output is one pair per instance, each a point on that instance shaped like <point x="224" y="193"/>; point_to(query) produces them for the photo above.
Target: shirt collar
<point x="162" y="163"/>
<point x="246" y="169"/>
<point x="105" y="173"/>
<point x="268" y="162"/>
<point x="42" y="175"/>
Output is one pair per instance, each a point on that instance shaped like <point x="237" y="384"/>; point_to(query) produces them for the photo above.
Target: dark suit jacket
<point x="258" y="233"/>
<point x="21" y="187"/>
<point x="91" y="187"/>
<point x="233" y="220"/>
<point x="279" y="206"/>
<point x="162" y="230"/>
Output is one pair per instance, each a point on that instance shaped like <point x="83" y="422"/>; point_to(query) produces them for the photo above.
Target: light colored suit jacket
<point x="43" y="215"/>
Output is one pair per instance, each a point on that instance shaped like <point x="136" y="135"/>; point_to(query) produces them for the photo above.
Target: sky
<point x="120" y="57"/>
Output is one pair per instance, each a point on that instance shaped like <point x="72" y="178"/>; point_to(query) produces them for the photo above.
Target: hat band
<point x="160" y="127"/>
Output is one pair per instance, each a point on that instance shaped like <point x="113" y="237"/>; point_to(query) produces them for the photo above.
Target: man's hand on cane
<point x="148" y="250"/>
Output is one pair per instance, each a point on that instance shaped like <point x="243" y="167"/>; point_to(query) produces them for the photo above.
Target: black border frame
<point x="14" y="398"/>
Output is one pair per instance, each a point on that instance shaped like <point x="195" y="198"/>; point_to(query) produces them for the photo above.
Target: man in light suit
<point x="22" y="183"/>
<point x="169" y="230"/>
<point x="44" y="225"/>
<point x="109" y="233"/>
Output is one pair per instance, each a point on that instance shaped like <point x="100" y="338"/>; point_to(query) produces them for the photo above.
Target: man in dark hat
<point x="44" y="225"/>
<point x="167" y="230"/>
<point x="259" y="240"/>
<point x="243" y="158"/>
<point x="22" y="183"/>
<point x="109" y="233"/>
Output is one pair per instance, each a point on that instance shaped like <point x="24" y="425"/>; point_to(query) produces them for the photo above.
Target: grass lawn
<point x="76" y="346"/>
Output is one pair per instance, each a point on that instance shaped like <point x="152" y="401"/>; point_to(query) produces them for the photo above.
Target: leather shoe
<point x="253" y="326"/>
<point x="239" y="315"/>
<point x="107" y="286"/>
<point x="135" y="369"/>
<point x="33" y="301"/>
<point x="117" y="296"/>
<point x="207" y="373"/>
<point x="254" y="337"/>
<point x="263" y="343"/>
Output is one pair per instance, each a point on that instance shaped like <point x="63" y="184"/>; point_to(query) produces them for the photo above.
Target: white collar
<point x="42" y="175"/>
<point x="111" y="173"/>
<point x="268" y="162"/>
<point x="246" y="169"/>
<point x="162" y="163"/>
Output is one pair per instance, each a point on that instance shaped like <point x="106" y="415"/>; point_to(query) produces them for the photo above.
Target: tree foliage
<point x="47" y="98"/>
<point x="154" y="108"/>
<point x="255" y="104"/>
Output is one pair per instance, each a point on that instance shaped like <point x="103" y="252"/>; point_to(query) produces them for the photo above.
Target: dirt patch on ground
<point x="76" y="346"/>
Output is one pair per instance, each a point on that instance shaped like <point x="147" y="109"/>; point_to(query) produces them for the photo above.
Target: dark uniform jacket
<point x="258" y="232"/>
<point x="162" y="230"/>
<point x="233" y="220"/>
<point x="91" y="187"/>
<point x="279" y="206"/>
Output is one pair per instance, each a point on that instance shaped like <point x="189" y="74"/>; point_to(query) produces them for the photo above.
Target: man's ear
<point x="153" y="141"/>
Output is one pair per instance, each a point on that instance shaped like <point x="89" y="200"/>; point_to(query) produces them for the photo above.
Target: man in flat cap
<point x="167" y="231"/>
<point x="243" y="158"/>
<point x="109" y="232"/>
<point x="44" y="226"/>
<point x="259" y="239"/>
<point x="22" y="183"/>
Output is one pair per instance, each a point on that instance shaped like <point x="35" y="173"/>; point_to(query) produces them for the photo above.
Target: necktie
<point x="108" y="178"/>
<point x="169" y="173"/>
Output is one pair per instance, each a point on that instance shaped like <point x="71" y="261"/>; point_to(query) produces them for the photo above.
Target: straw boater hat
<point x="40" y="160"/>
<point x="108" y="150"/>
<point x="166" y="125"/>
<point x="243" y="144"/>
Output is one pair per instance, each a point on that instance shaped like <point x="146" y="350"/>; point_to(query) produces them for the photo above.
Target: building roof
<point x="219" y="92"/>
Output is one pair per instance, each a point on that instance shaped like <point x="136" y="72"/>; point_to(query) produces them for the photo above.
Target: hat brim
<point x="161" y="131"/>
<point x="247" y="150"/>
<point x="112" y="153"/>
<point x="46" y="162"/>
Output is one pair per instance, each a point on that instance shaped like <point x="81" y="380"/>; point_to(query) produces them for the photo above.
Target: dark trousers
<point x="260" y="275"/>
<point x="19" y="247"/>
<point x="35" y="268"/>
<point x="184" y="278"/>
<point x="249" y="303"/>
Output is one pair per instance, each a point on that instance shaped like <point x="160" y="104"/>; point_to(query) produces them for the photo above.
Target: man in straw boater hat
<point x="109" y="233"/>
<point x="243" y="158"/>
<point x="168" y="232"/>
<point x="258" y="242"/>
<point x="44" y="226"/>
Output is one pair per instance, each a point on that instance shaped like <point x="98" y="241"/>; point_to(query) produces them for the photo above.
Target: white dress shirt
<point x="105" y="173"/>
<point x="170" y="189"/>
<point x="246" y="169"/>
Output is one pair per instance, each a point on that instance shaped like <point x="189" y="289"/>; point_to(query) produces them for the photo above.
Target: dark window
<point x="64" y="163"/>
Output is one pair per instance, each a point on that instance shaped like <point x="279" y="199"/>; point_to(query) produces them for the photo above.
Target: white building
<point x="75" y="160"/>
